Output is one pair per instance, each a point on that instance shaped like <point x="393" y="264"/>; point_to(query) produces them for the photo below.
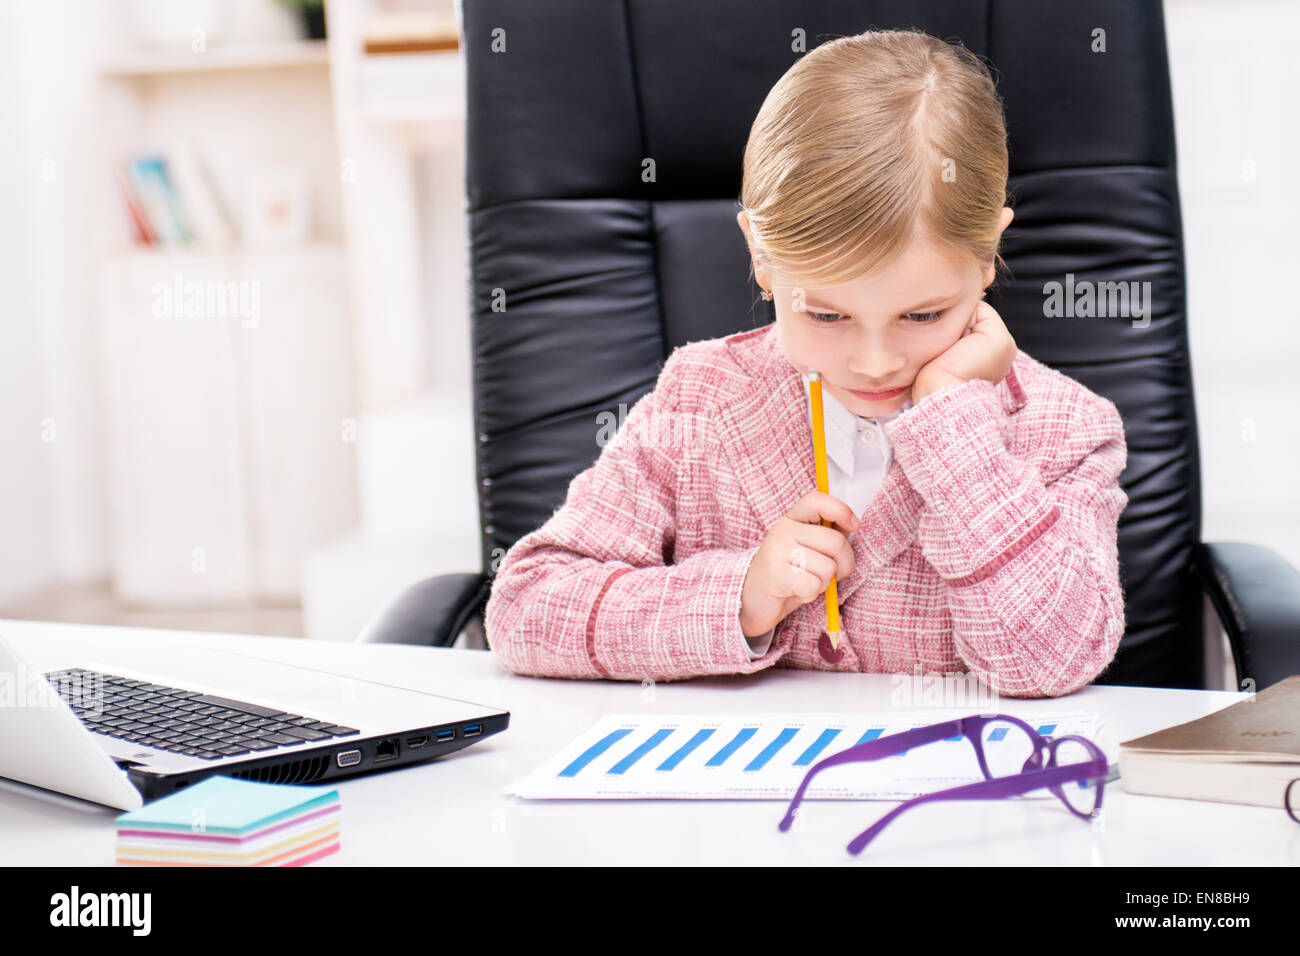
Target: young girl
<point x="974" y="491"/>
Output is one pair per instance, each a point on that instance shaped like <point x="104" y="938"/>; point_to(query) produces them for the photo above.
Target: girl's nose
<point x="878" y="368"/>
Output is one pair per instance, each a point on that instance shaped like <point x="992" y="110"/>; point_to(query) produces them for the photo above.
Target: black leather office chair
<point x="605" y="270"/>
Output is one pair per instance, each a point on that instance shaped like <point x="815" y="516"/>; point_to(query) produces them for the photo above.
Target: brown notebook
<point x="1245" y="753"/>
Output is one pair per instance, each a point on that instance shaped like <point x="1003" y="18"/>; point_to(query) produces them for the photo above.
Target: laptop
<point x="123" y="734"/>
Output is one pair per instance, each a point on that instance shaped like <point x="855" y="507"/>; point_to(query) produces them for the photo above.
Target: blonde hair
<point x="871" y="141"/>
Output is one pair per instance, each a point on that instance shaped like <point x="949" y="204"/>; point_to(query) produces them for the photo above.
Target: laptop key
<point x="305" y="733"/>
<point x="284" y="739"/>
<point x="338" y="731"/>
<point x="229" y="704"/>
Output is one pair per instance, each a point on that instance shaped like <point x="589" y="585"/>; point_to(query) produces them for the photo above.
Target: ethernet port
<point x="385" y="750"/>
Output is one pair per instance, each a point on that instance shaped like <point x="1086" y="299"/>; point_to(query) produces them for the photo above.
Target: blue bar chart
<point x="767" y="756"/>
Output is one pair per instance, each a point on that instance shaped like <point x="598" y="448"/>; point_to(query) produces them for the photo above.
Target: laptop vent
<point x="297" y="771"/>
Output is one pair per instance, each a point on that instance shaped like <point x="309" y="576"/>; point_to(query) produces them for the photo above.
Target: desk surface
<point x="451" y="811"/>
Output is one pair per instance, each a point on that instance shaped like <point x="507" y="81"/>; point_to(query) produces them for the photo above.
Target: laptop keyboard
<point x="183" y="721"/>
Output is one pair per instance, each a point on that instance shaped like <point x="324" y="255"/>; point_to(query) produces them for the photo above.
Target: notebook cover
<point x="1266" y="726"/>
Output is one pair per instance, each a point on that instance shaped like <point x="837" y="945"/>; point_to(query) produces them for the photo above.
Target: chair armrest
<point x="1256" y="594"/>
<point x="432" y="611"/>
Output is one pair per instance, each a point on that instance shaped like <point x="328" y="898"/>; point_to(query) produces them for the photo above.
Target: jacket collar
<point x="765" y="432"/>
<point x="843" y="427"/>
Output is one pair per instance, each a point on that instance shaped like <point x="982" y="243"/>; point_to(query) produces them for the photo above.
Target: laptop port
<point x="473" y="730"/>
<point x="414" y="742"/>
<point x="446" y="735"/>
<point x="385" y="750"/>
<point x="348" y="758"/>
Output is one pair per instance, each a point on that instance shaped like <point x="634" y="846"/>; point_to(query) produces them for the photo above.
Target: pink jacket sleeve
<point x="1028" y="551"/>
<point x="595" y="591"/>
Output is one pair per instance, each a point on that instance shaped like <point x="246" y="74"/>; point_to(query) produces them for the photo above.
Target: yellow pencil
<point x="823" y="485"/>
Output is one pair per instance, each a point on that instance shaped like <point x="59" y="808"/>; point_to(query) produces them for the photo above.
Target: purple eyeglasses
<point x="1010" y="755"/>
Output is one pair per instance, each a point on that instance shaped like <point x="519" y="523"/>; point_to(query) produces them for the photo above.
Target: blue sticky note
<point x="226" y="805"/>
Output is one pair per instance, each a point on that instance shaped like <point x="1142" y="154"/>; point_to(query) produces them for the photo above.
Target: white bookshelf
<point x="228" y="440"/>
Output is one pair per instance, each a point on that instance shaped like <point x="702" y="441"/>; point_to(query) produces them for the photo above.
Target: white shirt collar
<point x="843" y="426"/>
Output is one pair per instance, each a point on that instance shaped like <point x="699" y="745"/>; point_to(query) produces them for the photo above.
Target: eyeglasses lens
<point x="1081" y="795"/>
<point x="1006" y="748"/>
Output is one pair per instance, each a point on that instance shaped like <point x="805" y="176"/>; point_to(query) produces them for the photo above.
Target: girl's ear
<point x="742" y="218"/>
<point x="760" y="270"/>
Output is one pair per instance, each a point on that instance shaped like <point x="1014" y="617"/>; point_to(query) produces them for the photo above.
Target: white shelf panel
<point x="261" y="56"/>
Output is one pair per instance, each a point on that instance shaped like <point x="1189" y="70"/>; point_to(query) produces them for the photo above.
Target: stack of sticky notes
<point x="221" y="821"/>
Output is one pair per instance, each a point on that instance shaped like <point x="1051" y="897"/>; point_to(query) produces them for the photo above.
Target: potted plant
<point x="313" y="16"/>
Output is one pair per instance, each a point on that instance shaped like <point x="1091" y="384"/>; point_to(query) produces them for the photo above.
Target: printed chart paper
<point x="766" y="756"/>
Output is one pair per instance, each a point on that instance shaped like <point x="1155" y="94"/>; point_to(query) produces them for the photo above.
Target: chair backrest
<point x="604" y="161"/>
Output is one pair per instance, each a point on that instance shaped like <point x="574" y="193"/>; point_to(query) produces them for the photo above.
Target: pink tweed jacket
<point x="989" y="549"/>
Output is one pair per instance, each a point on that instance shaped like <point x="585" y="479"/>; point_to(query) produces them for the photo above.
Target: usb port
<point x="446" y="735"/>
<point x="473" y="730"/>
<point x="413" y="742"/>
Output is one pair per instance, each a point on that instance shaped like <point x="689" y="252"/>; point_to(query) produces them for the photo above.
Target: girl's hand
<point x="795" y="562"/>
<point x="985" y="350"/>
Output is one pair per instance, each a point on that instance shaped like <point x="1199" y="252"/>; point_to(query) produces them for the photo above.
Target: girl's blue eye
<point x="920" y="318"/>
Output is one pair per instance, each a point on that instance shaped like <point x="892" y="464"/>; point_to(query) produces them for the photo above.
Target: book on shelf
<point x="207" y="217"/>
<point x="1248" y="752"/>
<point x="140" y="228"/>
<point x="171" y="199"/>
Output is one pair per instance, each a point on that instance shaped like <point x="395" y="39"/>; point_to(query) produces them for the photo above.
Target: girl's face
<point x="874" y="335"/>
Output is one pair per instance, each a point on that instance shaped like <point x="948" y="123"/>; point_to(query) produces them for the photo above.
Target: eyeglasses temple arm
<point x="873" y="750"/>
<point x="991" y="790"/>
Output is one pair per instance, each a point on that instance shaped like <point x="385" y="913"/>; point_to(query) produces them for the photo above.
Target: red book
<point x="144" y="234"/>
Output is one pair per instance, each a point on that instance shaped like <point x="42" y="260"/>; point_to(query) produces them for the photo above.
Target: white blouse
<point x="857" y="457"/>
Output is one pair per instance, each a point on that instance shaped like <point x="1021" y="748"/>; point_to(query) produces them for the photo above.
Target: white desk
<point x="452" y="811"/>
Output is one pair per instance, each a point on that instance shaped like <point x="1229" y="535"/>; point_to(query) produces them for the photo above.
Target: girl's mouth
<point x="879" y="396"/>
